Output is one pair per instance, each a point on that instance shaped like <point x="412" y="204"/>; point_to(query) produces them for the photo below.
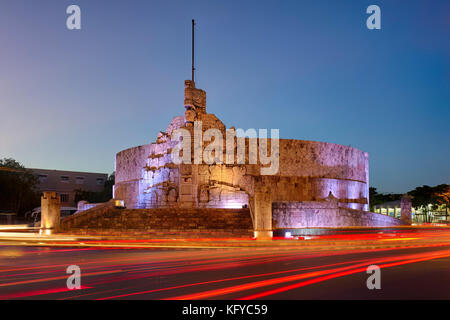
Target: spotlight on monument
<point x="45" y="232"/>
<point x="120" y="204"/>
<point x="288" y="235"/>
<point x="233" y="205"/>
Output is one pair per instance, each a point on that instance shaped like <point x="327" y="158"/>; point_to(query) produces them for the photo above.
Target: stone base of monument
<point x="106" y="219"/>
<point x="326" y="214"/>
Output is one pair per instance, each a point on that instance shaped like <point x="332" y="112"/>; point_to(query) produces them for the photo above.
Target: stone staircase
<point x="161" y="223"/>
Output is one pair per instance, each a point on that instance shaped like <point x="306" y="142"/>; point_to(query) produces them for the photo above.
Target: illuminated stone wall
<point x="105" y="219"/>
<point x="326" y="214"/>
<point x="309" y="171"/>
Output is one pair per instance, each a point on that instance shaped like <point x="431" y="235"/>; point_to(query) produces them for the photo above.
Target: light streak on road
<point x="336" y="275"/>
<point x="264" y="283"/>
<point x="253" y="271"/>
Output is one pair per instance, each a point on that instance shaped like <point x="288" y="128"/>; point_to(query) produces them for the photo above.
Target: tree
<point x="378" y="198"/>
<point x="442" y="195"/>
<point x="109" y="183"/>
<point x="18" y="191"/>
<point x="97" y="197"/>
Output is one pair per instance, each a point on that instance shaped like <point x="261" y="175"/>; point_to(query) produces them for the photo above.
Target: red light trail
<point x="264" y="270"/>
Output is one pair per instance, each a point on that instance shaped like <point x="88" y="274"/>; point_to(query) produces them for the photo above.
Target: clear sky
<point x="71" y="99"/>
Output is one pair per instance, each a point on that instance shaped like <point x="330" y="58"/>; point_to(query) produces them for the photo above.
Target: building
<point x="430" y="214"/>
<point x="65" y="183"/>
<point x="317" y="184"/>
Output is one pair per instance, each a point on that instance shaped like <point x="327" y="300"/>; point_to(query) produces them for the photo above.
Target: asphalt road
<point x="288" y="272"/>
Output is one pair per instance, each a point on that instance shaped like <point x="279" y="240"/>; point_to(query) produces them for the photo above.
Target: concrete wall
<point x="194" y="223"/>
<point x="128" y="167"/>
<point x="322" y="159"/>
<point x="328" y="167"/>
<point x="129" y="163"/>
<point x="326" y="214"/>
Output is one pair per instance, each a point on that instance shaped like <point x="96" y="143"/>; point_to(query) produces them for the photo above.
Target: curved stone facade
<point x="308" y="171"/>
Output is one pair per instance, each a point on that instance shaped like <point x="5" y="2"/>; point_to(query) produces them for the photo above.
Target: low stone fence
<point x="84" y="205"/>
<point x="326" y="214"/>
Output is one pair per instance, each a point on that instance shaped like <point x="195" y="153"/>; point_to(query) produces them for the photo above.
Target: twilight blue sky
<point x="72" y="99"/>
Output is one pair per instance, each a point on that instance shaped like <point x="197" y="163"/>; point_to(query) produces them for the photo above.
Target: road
<point x="414" y="265"/>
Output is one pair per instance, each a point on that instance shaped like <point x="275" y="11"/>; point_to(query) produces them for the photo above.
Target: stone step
<point x="166" y="220"/>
